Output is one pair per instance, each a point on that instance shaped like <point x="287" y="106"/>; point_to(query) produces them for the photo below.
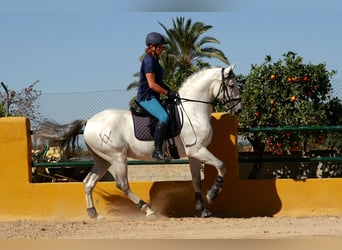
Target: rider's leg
<point x="159" y="135"/>
<point x="154" y="107"/>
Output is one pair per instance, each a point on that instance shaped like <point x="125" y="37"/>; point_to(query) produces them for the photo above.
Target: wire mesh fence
<point x="336" y="84"/>
<point x="66" y="107"/>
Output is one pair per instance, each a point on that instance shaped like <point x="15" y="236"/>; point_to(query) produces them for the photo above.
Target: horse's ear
<point x="229" y="69"/>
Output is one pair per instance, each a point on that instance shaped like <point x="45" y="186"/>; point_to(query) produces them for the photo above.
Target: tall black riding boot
<point x="159" y="135"/>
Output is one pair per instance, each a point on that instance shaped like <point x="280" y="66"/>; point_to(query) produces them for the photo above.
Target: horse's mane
<point x="197" y="74"/>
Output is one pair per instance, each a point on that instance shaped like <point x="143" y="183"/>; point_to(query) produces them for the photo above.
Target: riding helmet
<point x="155" y="38"/>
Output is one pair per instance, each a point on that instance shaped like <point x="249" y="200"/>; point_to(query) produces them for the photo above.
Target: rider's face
<point x="159" y="48"/>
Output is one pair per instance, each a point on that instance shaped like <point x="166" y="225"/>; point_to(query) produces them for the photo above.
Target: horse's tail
<point x="60" y="135"/>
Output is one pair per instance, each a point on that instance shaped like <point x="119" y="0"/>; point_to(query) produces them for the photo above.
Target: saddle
<point x="144" y="124"/>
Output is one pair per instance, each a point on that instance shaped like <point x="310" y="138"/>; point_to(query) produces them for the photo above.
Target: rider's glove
<point x="172" y="95"/>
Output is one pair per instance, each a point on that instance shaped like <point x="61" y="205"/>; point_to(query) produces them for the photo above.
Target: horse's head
<point x="228" y="92"/>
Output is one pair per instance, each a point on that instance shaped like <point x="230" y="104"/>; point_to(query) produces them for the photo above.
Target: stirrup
<point x="158" y="155"/>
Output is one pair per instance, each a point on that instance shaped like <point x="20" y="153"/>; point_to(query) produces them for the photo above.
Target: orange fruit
<point x="293" y="98"/>
<point x="293" y="149"/>
<point x="273" y="77"/>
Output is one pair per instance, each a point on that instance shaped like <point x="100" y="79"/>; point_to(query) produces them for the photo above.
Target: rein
<point x="213" y="103"/>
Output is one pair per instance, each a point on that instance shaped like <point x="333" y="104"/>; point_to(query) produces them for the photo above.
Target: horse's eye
<point x="231" y="83"/>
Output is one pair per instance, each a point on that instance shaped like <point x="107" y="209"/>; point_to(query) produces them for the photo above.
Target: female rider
<point x="151" y="86"/>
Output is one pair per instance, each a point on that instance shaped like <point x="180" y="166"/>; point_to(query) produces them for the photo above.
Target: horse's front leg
<point x="205" y="156"/>
<point x="215" y="189"/>
<point x="195" y="168"/>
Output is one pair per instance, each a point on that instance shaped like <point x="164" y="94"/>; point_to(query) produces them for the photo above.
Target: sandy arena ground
<point x="130" y="223"/>
<point x="136" y="226"/>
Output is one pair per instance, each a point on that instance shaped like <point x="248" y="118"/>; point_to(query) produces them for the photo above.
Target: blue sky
<point x="83" y="45"/>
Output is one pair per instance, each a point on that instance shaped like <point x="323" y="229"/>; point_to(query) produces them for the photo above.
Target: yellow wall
<point x="282" y="197"/>
<point x="21" y="199"/>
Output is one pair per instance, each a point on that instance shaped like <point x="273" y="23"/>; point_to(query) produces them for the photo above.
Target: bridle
<point x="224" y="90"/>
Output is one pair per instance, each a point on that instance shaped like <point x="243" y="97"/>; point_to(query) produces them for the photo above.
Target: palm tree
<point x="185" y="51"/>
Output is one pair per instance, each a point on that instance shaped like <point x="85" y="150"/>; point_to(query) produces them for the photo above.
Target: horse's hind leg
<point x="96" y="173"/>
<point x="122" y="184"/>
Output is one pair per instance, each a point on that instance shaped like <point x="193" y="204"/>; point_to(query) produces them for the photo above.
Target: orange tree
<point x="286" y="93"/>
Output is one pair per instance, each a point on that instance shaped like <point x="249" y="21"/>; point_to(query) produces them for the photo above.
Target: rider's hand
<point x="172" y="95"/>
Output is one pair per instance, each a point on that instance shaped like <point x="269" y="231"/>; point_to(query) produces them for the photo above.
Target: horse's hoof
<point x="151" y="216"/>
<point x="92" y="213"/>
<point x="205" y="213"/>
